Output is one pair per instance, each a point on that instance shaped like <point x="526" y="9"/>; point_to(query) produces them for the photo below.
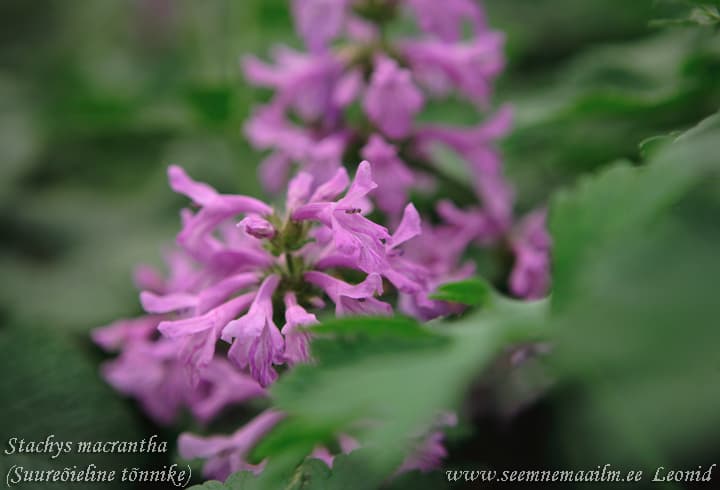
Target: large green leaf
<point x="51" y="388"/>
<point x="608" y="206"/>
<point x="635" y="306"/>
<point x="400" y="383"/>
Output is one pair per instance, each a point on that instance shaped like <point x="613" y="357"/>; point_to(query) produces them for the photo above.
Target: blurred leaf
<point x="471" y="292"/>
<point x="54" y="389"/>
<point x="696" y="12"/>
<point x="349" y="472"/>
<point x="604" y="207"/>
<point x="402" y="389"/>
<point x="598" y="106"/>
<point x="634" y="307"/>
<point x="374" y="326"/>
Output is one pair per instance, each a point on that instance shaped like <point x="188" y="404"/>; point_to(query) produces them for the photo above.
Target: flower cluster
<point x="246" y="279"/>
<point x="355" y="93"/>
<point x="240" y="266"/>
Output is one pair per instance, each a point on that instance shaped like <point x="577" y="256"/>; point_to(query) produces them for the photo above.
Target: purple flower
<point x="121" y="333"/>
<point x="243" y="264"/>
<point x="324" y="158"/>
<point x="471" y="224"/>
<point x="303" y="83"/>
<point x="407" y="275"/>
<point x="393" y="174"/>
<point x="347" y="445"/>
<point x="296" y="339"/>
<point x="148" y="372"/>
<point x="430" y="451"/>
<point x="319" y="21"/>
<point x="257" y="340"/>
<point x="221" y="385"/>
<point x="474" y="144"/>
<point x="153" y="370"/>
<point x="470" y="67"/>
<point x="257" y="227"/>
<point x="225" y="455"/>
<point x="530" y="277"/>
<point x="201" y="333"/>
<point x="440" y="265"/>
<point x="352" y="299"/>
<point x="466" y="141"/>
<point x="445" y="19"/>
<point x="392" y="99"/>
<point x="268" y="128"/>
<point x="352" y="233"/>
<point x="274" y="171"/>
<point x="199" y="303"/>
<point x="196" y="237"/>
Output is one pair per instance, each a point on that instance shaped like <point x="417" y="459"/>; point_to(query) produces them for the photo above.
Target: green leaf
<point x="471" y="292"/>
<point x="402" y="389"/>
<point x="51" y="388"/>
<point x="374" y="326"/>
<point x="635" y="306"/>
<point x="619" y="200"/>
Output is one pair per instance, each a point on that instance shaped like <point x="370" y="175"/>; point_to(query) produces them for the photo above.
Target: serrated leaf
<point x="634" y="304"/>
<point x="402" y="390"/>
<point x="620" y="199"/>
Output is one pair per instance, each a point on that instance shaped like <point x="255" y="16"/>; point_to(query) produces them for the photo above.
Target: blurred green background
<point x="97" y="97"/>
